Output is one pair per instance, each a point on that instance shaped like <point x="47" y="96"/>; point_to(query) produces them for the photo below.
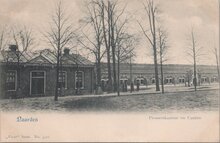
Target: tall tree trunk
<point x="217" y="63"/>
<point x="219" y="56"/>
<point x="98" y="63"/>
<point x="60" y="35"/>
<point x="118" y="89"/>
<point x="77" y="74"/>
<point x="162" y="49"/>
<point x="98" y="70"/>
<point x="161" y="72"/>
<point x="61" y="72"/>
<point x="57" y="77"/>
<point x="195" y="79"/>
<point x="109" y="70"/>
<point x="188" y="77"/>
<point x="217" y="66"/>
<point x="113" y="54"/>
<point x="194" y="60"/>
<point x="107" y="45"/>
<point x="131" y="81"/>
<point x="156" y="72"/>
<point x="19" y="81"/>
<point x="18" y="76"/>
<point x="109" y="51"/>
<point x="155" y="54"/>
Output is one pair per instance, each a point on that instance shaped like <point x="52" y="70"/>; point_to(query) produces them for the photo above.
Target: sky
<point x="178" y="16"/>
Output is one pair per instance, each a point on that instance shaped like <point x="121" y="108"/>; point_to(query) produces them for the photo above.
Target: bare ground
<point x="202" y="100"/>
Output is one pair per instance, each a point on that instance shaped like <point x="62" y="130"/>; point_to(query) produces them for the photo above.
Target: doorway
<point x="37" y="83"/>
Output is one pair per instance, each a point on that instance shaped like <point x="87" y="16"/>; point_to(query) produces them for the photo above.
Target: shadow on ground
<point x="201" y="100"/>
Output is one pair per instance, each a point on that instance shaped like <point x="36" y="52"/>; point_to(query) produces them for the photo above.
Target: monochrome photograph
<point x="85" y="66"/>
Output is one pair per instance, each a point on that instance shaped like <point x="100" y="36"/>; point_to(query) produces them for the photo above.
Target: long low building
<point x="175" y="74"/>
<point x="35" y="74"/>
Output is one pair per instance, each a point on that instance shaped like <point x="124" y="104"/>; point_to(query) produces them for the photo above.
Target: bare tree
<point x="111" y="32"/>
<point x="112" y="27"/>
<point x="4" y="37"/>
<point x="219" y="53"/>
<point x="162" y="53"/>
<point x="194" y="53"/>
<point x="151" y="34"/>
<point x="59" y="36"/>
<point x="22" y="37"/>
<point x="115" y="17"/>
<point x="111" y="16"/>
<point x="132" y="43"/>
<point x="106" y="35"/>
<point x="104" y="17"/>
<point x="216" y="54"/>
<point x="125" y="46"/>
<point x="93" y="42"/>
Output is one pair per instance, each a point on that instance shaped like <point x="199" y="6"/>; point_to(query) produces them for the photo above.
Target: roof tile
<point x="47" y="55"/>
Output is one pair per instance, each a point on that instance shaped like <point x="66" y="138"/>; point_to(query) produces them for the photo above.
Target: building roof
<point x="167" y="68"/>
<point x="12" y="57"/>
<point x="45" y="56"/>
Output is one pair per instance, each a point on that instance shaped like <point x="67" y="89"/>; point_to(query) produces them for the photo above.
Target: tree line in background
<point x="104" y="31"/>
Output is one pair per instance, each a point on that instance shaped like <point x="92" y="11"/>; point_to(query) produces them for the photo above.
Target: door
<point x="37" y="83"/>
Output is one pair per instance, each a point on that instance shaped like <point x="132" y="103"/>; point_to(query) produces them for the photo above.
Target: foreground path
<point x="175" y="99"/>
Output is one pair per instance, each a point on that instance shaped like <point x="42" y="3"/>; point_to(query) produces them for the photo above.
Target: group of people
<point x="124" y="86"/>
<point x="125" y="89"/>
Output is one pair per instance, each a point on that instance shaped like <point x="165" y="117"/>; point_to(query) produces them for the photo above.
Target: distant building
<point x="38" y="74"/>
<point x="174" y="74"/>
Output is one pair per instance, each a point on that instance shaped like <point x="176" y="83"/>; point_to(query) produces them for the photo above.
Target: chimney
<point x="13" y="48"/>
<point x="66" y="51"/>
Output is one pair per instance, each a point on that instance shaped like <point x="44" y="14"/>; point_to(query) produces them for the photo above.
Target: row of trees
<point x="157" y="37"/>
<point x="109" y="38"/>
<point x="104" y="31"/>
<point x="107" y="22"/>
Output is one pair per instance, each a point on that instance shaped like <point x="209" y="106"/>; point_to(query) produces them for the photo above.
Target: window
<point x="140" y="81"/>
<point x="204" y="79"/>
<point x="62" y="82"/>
<point x="181" y="80"/>
<point x="214" y="79"/>
<point x="11" y="80"/>
<point x="79" y="82"/>
<point x="168" y="80"/>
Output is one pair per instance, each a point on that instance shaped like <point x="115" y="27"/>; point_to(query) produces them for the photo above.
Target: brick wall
<point x="50" y="80"/>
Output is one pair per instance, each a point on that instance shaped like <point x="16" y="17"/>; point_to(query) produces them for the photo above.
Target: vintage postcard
<point x="109" y="71"/>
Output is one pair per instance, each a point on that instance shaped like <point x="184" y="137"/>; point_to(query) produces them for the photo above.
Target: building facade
<point x="35" y="74"/>
<point x="180" y="75"/>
